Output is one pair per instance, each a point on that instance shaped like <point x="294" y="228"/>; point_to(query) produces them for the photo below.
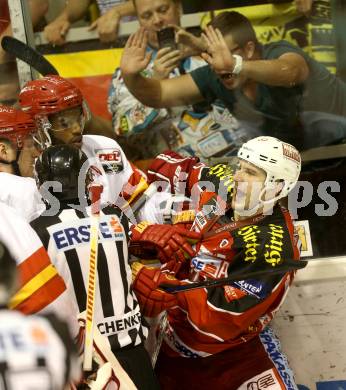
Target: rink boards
<point x="311" y="325"/>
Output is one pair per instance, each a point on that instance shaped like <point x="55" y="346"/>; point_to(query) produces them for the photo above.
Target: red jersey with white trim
<point x="210" y="321"/>
<point x="187" y="176"/>
<point x="181" y="173"/>
<point x="40" y="286"/>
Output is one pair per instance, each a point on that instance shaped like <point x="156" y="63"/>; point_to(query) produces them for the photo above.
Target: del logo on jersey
<point x="110" y="159"/>
<point x="68" y="235"/>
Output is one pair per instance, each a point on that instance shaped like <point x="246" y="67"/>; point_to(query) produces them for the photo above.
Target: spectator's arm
<point x="303" y="6"/>
<point x="178" y="91"/>
<point x="107" y="24"/>
<point x="129" y="115"/>
<point x="288" y="70"/>
<point x="284" y="70"/>
<point x="38" y="9"/>
<point x="56" y="30"/>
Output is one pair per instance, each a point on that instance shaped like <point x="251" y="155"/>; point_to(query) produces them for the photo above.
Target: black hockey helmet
<point x="61" y="163"/>
<point x="8" y="274"/>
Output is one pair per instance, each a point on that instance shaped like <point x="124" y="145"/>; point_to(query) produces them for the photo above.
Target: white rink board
<point x="311" y="325"/>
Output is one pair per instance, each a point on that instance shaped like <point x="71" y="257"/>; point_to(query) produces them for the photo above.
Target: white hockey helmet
<point x="280" y="161"/>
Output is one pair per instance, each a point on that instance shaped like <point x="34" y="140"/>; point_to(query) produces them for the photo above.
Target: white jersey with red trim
<point x="118" y="175"/>
<point x="40" y="286"/>
<point x="22" y="194"/>
<point x="35" y="353"/>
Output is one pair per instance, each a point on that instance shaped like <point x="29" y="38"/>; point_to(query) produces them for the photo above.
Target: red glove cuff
<point x="152" y="300"/>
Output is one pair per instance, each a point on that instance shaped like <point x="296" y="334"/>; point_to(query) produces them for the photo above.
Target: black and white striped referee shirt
<point x="66" y="236"/>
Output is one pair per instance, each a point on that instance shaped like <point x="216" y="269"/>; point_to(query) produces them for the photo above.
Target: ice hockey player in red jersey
<point x="219" y="336"/>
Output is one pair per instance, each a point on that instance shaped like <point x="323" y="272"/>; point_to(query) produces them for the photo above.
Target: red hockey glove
<point x="152" y="300"/>
<point x="170" y="242"/>
<point x="168" y="166"/>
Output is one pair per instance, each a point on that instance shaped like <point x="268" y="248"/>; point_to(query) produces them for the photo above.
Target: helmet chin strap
<point x="44" y="140"/>
<point x="266" y="204"/>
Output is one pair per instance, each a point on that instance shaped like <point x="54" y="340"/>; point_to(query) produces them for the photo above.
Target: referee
<point x="66" y="236"/>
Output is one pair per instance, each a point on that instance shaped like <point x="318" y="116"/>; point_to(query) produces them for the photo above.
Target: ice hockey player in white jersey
<point x="35" y="352"/>
<point x="60" y="113"/>
<point x="66" y="236"/>
<point x="17" y="156"/>
<point x="17" y="148"/>
<point x="40" y="287"/>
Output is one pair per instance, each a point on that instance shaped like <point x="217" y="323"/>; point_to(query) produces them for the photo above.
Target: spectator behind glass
<point x="270" y="85"/>
<point x="106" y="25"/>
<point x="206" y="130"/>
<point x="9" y="86"/>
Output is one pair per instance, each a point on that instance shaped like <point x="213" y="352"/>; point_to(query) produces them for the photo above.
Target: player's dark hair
<point x="6" y="141"/>
<point x="236" y="24"/>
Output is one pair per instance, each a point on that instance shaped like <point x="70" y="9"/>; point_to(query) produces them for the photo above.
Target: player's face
<point x="154" y="15"/>
<point x="249" y="182"/>
<point x="27" y="157"/>
<point x="229" y="80"/>
<point x="67" y="127"/>
<point x="8" y="152"/>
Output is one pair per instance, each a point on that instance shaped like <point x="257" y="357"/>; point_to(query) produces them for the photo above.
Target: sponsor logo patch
<point x="252" y="287"/>
<point x="210" y="267"/>
<point x="290" y="152"/>
<point x="111" y="160"/>
<point x="272" y="346"/>
<point x="67" y="235"/>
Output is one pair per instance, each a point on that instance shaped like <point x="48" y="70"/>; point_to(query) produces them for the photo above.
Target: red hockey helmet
<point x="49" y="95"/>
<point x="15" y="125"/>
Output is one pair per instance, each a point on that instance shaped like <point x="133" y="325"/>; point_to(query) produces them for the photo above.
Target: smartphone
<point x="166" y="38"/>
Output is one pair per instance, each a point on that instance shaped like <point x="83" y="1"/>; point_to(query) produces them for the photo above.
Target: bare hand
<point x="188" y="44"/>
<point x="303" y="6"/>
<point x="166" y="60"/>
<point x="135" y="57"/>
<point x="55" y="31"/>
<point x="218" y="55"/>
<point x="107" y="26"/>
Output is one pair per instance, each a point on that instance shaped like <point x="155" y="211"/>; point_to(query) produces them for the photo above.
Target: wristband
<point x="238" y="67"/>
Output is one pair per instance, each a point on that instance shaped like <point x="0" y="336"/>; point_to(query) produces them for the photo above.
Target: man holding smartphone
<point x="188" y="129"/>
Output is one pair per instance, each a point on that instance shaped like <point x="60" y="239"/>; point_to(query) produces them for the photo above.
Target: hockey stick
<point x="289" y="265"/>
<point x="141" y="200"/>
<point x="204" y="221"/>
<point x="28" y="55"/>
<point x="95" y="191"/>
